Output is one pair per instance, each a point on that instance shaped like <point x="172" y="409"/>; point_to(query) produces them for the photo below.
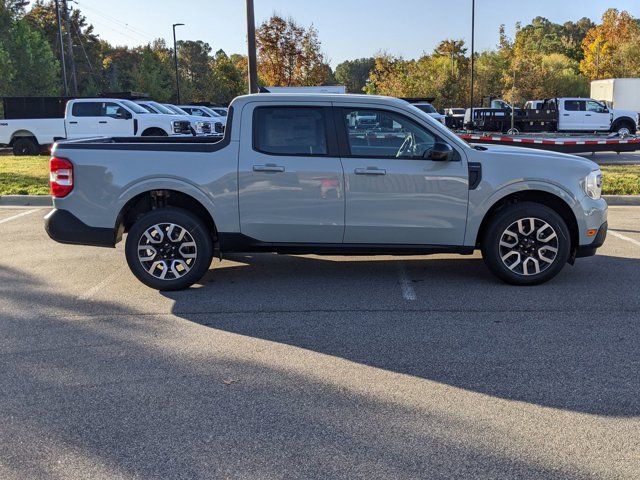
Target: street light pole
<point x="473" y="27"/>
<point x="251" y="49"/>
<point x="175" y="57"/>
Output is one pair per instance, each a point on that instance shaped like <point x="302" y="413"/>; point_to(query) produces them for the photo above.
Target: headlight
<point x="181" y="127"/>
<point x="593" y="184"/>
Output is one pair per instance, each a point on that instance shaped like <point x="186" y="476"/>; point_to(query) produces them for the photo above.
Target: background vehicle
<point x="222" y="111"/>
<point x="207" y="113"/>
<point x="294" y="176"/>
<point x="572" y="114"/>
<point x="454" y="118"/>
<point x="88" y="117"/>
<point x="430" y="110"/>
<point x="199" y="126"/>
<point x="618" y="93"/>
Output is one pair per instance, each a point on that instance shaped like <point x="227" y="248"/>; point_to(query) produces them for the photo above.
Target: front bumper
<point x="64" y="227"/>
<point x="598" y="241"/>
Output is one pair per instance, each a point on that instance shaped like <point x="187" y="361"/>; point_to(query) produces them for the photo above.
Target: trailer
<point x="559" y="143"/>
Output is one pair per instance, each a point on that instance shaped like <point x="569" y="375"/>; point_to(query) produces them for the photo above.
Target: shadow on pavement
<point x="97" y="390"/>
<point x="572" y="344"/>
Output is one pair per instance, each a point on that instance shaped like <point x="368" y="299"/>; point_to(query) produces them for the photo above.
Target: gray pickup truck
<point x="325" y="174"/>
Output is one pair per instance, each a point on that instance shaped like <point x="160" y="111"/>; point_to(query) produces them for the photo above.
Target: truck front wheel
<point x="624" y="128"/>
<point x="526" y="244"/>
<point x="26" y="146"/>
<point x="169" y="249"/>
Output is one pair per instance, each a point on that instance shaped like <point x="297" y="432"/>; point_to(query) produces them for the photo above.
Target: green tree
<point x="154" y="73"/>
<point x="35" y="68"/>
<point x="353" y="74"/>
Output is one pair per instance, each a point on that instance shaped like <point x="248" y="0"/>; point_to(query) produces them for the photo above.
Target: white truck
<point x="89" y="117"/>
<point x="618" y="93"/>
<point x="567" y="114"/>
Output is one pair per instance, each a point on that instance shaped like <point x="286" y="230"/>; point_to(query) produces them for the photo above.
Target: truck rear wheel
<point x="169" y="249"/>
<point x="154" y="132"/>
<point x="26" y="146"/>
<point x="526" y="244"/>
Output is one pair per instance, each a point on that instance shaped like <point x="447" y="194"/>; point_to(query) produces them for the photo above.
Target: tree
<point x="609" y="48"/>
<point x="228" y="81"/>
<point x="35" y="70"/>
<point x="154" y="73"/>
<point x="353" y="74"/>
<point x="196" y="76"/>
<point x="289" y="55"/>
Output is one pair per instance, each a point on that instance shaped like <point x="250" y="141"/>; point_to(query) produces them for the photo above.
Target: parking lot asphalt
<point x="316" y="367"/>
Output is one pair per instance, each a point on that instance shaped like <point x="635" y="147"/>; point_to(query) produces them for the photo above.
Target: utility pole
<point x="175" y="57"/>
<point x="72" y="63"/>
<point x="64" y="66"/>
<point x="473" y="27"/>
<point x="251" y="46"/>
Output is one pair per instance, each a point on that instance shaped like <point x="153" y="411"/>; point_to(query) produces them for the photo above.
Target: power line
<point x="114" y="20"/>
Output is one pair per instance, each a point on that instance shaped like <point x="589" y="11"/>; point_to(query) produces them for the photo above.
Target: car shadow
<point x="101" y="388"/>
<point x="573" y="343"/>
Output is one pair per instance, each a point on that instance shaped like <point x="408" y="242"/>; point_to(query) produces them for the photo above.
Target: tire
<point x="26" y="146"/>
<point x="154" y="132"/>
<point x="149" y="254"/>
<point x="525" y="255"/>
<point x="624" y="128"/>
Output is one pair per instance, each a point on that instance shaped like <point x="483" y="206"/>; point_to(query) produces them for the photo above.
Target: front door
<point x="115" y="121"/>
<point x="291" y="184"/>
<point x="597" y="117"/>
<point x="394" y="195"/>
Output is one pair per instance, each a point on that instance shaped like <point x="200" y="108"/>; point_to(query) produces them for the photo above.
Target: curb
<point x="45" y="200"/>
<point x="26" y="200"/>
<point x="618" y="200"/>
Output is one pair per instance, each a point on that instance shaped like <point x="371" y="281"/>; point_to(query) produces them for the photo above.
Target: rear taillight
<point x="60" y="177"/>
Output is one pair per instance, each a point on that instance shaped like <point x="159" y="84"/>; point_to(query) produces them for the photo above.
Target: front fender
<point x="480" y="204"/>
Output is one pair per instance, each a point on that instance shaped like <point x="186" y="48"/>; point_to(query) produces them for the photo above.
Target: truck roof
<point x="317" y="97"/>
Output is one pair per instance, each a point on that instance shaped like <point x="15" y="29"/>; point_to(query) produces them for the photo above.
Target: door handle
<point x="565" y="114"/>
<point x="268" y="168"/>
<point x="73" y="123"/>
<point x="370" y="171"/>
<point x="102" y="121"/>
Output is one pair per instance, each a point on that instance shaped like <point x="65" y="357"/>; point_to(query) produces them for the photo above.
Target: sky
<point x="348" y="29"/>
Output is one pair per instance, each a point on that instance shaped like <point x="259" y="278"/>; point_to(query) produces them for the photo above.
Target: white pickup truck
<point x="90" y="117"/>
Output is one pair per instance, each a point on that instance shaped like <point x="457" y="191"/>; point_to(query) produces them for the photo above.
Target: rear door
<point x="115" y="120"/>
<point x="290" y="176"/>
<point x="597" y="117"/>
<point x="84" y="119"/>
<point x="394" y="194"/>
<point x="573" y="115"/>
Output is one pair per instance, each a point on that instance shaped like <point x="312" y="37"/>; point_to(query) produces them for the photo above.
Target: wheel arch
<point x="22" y="133"/>
<point x="146" y="198"/>
<point x="148" y="130"/>
<point x="624" y="120"/>
<point x="552" y="200"/>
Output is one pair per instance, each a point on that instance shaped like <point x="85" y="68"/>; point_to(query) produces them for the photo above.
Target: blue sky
<point x="347" y="28"/>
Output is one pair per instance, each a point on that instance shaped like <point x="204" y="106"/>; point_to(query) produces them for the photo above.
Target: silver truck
<point x="294" y="174"/>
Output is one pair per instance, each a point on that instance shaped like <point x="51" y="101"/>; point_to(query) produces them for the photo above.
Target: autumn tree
<point x="611" y="48"/>
<point x="290" y="55"/>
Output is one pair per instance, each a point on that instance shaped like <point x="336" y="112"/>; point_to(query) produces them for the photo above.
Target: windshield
<point x="134" y="106"/>
<point x="161" y="108"/>
<point x="426" y="107"/>
<point x="213" y="113"/>
<point x="175" y="109"/>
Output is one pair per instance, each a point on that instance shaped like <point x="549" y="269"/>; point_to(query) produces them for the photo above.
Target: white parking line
<point x="5" y="220"/>
<point x="405" y="283"/>
<point x="96" y="288"/>
<point x="624" y="237"/>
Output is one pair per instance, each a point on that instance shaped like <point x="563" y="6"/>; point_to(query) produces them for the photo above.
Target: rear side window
<point x="86" y="109"/>
<point x="290" y="131"/>
<point x="574" y="105"/>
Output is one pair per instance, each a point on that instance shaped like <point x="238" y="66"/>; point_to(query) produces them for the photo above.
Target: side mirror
<point x="123" y="114"/>
<point x="440" y="152"/>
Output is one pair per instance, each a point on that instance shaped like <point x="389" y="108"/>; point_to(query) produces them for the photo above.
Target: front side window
<point x="86" y="109"/>
<point x="596" y="107"/>
<point x="380" y="133"/>
<point x="113" y="110"/>
<point x="574" y="105"/>
<point x="290" y="130"/>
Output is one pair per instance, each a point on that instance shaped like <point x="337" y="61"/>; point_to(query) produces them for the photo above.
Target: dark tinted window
<point x="86" y="109"/>
<point x="290" y="131"/>
<point x="574" y="105"/>
<point x="378" y="133"/>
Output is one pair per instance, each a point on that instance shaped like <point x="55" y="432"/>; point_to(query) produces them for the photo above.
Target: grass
<point x="30" y="176"/>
